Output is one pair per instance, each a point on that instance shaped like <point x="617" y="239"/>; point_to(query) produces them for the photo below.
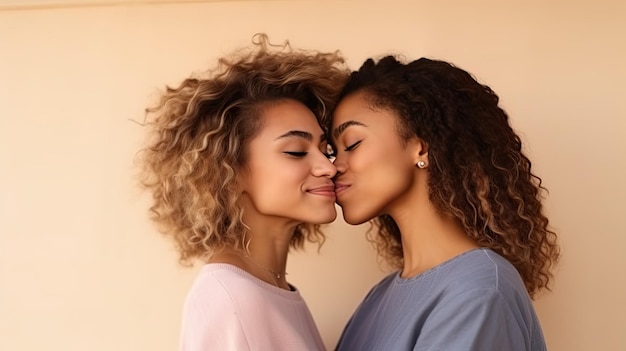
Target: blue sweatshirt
<point x="476" y="301"/>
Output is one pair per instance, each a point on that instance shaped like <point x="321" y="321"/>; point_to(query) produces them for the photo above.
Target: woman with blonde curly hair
<point x="239" y="172"/>
<point x="425" y="152"/>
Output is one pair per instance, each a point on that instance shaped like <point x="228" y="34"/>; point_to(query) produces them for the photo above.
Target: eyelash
<point x="302" y="154"/>
<point x="296" y="153"/>
<point x="351" y="147"/>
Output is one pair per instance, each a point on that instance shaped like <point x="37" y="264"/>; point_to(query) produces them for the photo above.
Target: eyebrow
<point x="302" y="135"/>
<point x="343" y="126"/>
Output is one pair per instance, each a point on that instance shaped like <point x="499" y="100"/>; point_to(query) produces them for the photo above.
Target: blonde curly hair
<point x="200" y="132"/>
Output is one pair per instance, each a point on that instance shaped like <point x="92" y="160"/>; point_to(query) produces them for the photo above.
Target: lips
<point x="340" y="187"/>
<point x="324" y="190"/>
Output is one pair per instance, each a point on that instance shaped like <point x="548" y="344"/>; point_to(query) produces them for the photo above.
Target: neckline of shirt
<point x="398" y="279"/>
<point x="293" y="294"/>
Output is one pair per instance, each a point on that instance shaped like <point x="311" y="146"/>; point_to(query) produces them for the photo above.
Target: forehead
<point x="284" y="115"/>
<point x="352" y="107"/>
<point x="355" y="110"/>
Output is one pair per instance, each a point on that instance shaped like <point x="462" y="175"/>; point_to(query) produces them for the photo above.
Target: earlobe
<point x="420" y="154"/>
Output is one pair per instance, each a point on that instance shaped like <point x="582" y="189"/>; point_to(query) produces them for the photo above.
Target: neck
<point x="265" y="252"/>
<point x="428" y="237"/>
<point x="268" y="240"/>
<point x="268" y="253"/>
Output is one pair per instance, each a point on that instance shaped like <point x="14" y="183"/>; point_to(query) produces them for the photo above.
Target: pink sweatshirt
<point x="230" y="309"/>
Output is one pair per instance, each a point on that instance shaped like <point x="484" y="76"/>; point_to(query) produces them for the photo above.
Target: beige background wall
<point x="81" y="268"/>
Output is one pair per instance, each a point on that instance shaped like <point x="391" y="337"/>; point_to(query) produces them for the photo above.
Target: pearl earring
<point x="421" y="164"/>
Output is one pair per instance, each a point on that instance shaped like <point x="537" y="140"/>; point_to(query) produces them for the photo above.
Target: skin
<point x="288" y="181"/>
<point x="377" y="174"/>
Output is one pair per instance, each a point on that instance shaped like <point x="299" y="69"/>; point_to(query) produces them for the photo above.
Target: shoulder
<point x="475" y="270"/>
<point x="223" y="285"/>
<point x="215" y="299"/>
<point x="211" y="313"/>
<point x="479" y="317"/>
<point x="483" y="282"/>
<point x="479" y="269"/>
<point x="217" y="286"/>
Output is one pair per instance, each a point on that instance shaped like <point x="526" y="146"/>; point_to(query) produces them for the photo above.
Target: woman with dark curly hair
<point x="425" y="152"/>
<point x="239" y="172"/>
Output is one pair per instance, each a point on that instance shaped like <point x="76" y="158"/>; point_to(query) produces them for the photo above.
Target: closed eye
<point x="296" y="153"/>
<point x="353" y="146"/>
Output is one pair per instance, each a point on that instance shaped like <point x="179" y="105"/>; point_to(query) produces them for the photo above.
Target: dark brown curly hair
<point x="478" y="172"/>
<point x="199" y="135"/>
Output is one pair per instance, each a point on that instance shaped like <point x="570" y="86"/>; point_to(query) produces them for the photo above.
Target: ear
<point x="419" y="150"/>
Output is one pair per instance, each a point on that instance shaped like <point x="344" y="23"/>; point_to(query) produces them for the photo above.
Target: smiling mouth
<point x="323" y="191"/>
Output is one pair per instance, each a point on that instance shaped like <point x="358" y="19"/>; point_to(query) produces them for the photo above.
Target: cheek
<point x="385" y="182"/>
<point x="379" y="161"/>
<point x="366" y="160"/>
<point x="287" y="175"/>
<point x="394" y="173"/>
<point x="279" y="192"/>
<point x="379" y="181"/>
<point x="276" y="181"/>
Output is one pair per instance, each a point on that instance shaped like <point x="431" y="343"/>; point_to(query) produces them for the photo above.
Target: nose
<point x="323" y="167"/>
<point x="340" y="163"/>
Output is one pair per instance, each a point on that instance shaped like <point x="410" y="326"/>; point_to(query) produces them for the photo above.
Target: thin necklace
<point x="275" y="275"/>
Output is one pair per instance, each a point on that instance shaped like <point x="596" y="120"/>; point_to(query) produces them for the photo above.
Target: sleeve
<point x="211" y="321"/>
<point x="476" y="320"/>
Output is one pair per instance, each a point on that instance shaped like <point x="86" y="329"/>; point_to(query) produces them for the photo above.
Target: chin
<point x="354" y="219"/>
<point x="329" y="217"/>
<point x="332" y="218"/>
